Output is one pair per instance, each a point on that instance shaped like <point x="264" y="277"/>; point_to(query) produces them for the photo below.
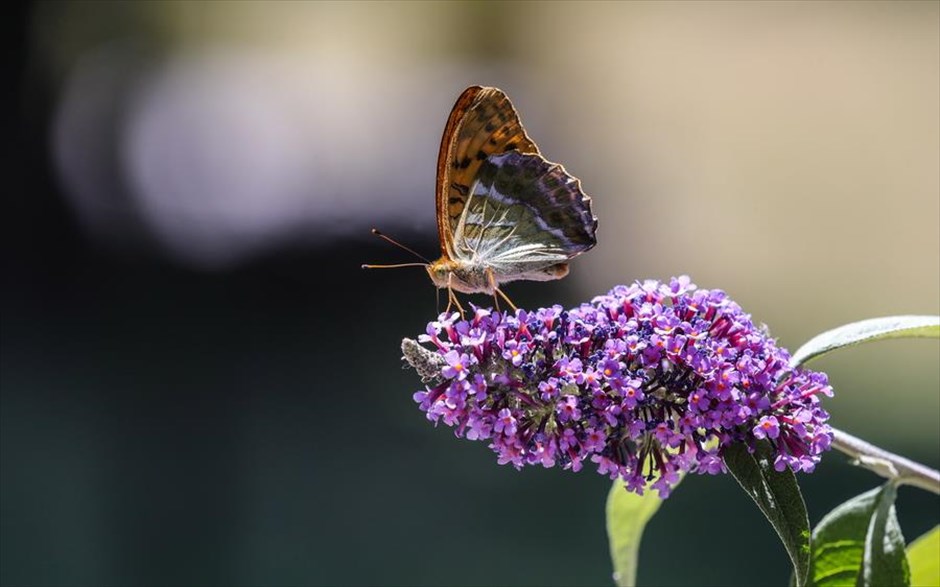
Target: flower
<point x="457" y="365"/>
<point x="646" y="382"/>
<point x="767" y="427"/>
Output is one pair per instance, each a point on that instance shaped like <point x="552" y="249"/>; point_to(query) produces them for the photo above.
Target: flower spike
<point x="644" y="382"/>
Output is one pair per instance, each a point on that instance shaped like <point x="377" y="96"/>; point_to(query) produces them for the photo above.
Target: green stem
<point x="898" y="469"/>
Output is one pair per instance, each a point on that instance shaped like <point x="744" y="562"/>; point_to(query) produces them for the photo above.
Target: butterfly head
<point x="443" y="272"/>
<point x="439" y="271"/>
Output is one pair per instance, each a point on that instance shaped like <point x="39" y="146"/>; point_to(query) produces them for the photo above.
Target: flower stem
<point x="898" y="469"/>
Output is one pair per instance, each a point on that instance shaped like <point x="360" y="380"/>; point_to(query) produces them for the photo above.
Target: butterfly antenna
<point x="364" y="266"/>
<point x="385" y="237"/>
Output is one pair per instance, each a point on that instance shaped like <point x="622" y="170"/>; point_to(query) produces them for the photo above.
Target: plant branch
<point x="898" y="469"/>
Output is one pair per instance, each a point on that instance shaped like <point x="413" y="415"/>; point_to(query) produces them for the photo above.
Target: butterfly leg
<point x="495" y="286"/>
<point x="456" y="302"/>
<point x="508" y="301"/>
<point x="452" y="298"/>
<point x="492" y="281"/>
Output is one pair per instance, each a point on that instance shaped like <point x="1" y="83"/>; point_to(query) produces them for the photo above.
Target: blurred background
<point x="200" y="386"/>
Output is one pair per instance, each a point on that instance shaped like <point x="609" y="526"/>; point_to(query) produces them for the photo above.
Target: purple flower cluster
<point x="645" y="382"/>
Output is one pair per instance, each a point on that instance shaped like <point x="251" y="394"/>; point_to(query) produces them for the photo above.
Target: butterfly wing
<point x="523" y="216"/>
<point x="482" y="123"/>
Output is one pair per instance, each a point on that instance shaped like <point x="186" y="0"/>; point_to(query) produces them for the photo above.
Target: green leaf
<point x="860" y="543"/>
<point x="867" y="330"/>
<point x="778" y="497"/>
<point x="924" y="557"/>
<point x="885" y="562"/>
<point x="839" y="541"/>
<point x="627" y="515"/>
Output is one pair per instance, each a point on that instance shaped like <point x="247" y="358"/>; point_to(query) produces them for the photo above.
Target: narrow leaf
<point x="859" y="543"/>
<point x="839" y="541"/>
<point x="867" y="330"/>
<point x="627" y="515"/>
<point x="885" y="562"/>
<point x="778" y="497"/>
<point x="924" y="557"/>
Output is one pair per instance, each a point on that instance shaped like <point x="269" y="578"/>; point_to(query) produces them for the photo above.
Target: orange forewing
<point x="483" y="122"/>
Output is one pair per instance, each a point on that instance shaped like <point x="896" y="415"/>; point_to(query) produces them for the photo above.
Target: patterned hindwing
<point x="482" y="123"/>
<point x="523" y="214"/>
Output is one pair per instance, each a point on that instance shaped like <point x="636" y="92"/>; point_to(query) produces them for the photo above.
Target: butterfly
<point x="504" y="213"/>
